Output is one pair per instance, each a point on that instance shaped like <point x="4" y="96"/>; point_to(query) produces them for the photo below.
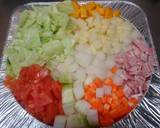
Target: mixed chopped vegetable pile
<point x="75" y="65"/>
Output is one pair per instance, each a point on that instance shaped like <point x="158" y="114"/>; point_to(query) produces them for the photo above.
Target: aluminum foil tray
<point x="146" y="114"/>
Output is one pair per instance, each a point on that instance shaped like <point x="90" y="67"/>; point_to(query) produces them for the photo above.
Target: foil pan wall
<point x="145" y="115"/>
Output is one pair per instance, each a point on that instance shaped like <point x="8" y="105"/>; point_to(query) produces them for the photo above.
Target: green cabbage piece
<point x="43" y="35"/>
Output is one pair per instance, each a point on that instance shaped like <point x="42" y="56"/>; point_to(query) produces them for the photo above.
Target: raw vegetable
<point x="109" y="100"/>
<point x="40" y="37"/>
<point x="86" y="10"/>
<point x="76" y="121"/>
<point x="68" y="100"/>
<point x="82" y="106"/>
<point x="60" y="121"/>
<point x="37" y="92"/>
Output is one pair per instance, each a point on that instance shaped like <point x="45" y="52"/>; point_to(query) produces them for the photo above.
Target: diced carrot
<point x="93" y="85"/>
<point x="91" y="6"/>
<point x="114" y="104"/>
<point x="120" y="93"/>
<point x="88" y="96"/>
<point x="106" y="107"/>
<point x="114" y="69"/>
<point x="98" y="82"/>
<point x="87" y="87"/>
<point x="114" y="89"/>
<point x="108" y="13"/>
<point x="97" y="104"/>
<point x="116" y="13"/>
<point x="108" y="81"/>
<point x="75" y="4"/>
<point x="83" y="11"/>
<point x="100" y="10"/>
<point x="107" y="99"/>
<point x="133" y="101"/>
<point x="106" y="120"/>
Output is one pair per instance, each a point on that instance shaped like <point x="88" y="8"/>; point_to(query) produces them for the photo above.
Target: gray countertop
<point x="151" y="8"/>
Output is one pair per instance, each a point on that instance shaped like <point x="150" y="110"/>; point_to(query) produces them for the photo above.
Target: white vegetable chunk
<point x="99" y="92"/>
<point x="67" y="95"/>
<point x="107" y="90"/>
<point x="69" y="108"/>
<point x="82" y="106"/>
<point x="78" y="91"/>
<point x="76" y="121"/>
<point x="60" y="121"/>
<point x="92" y="117"/>
<point x="117" y="80"/>
<point x="89" y="79"/>
<point x="83" y="59"/>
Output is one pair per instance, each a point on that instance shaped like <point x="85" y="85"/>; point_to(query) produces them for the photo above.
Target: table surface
<point x="151" y="8"/>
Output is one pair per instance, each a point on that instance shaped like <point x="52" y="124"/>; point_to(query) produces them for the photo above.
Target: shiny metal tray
<point x="146" y="114"/>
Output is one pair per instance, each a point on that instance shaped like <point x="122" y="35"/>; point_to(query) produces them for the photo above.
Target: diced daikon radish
<point x="89" y="79"/>
<point x="99" y="92"/>
<point x="69" y="108"/>
<point x="92" y="117"/>
<point x="107" y="90"/>
<point x="78" y="91"/>
<point x="117" y="80"/>
<point x="67" y="95"/>
<point x="82" y="106"/>
<point x="76" y="121"/>
<point x="60" y="121"/>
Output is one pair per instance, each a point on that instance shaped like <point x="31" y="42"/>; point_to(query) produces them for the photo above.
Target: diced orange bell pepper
<point x="75" y="14"/>
<point x="108" y="13"/>
<point x="75" y="4"/>
<point x="100" y="10"/>
<point x="83" y="11"/>
<point x="91" y="6"/>
<point x="116" y="13"/>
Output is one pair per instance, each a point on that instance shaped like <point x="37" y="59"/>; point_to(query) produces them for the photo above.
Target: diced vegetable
<point x="69" y="108"/>
<point x="76" y="121"/>
<point x="92" y="117"/>
<point x="67" y="95"/>
<point x="78" y="91"/>
<point x="100" y="92"/>
<point x="82" y="106"/>
<point x="60" y="121"/>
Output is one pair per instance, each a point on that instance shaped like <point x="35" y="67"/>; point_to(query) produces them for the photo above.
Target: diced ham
<point x="141" y="45"/>
<point x="137" y="65"/>
<point x="136" y="51"/>
<point x="147" y="68"/>
<point x="134" y="70"/>
<point x="144" y="57"/>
